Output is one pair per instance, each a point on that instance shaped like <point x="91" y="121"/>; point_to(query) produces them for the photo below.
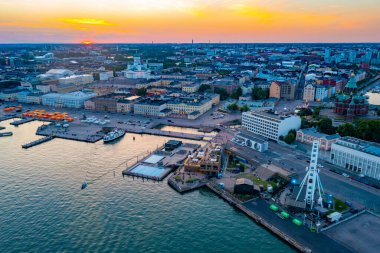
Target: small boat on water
<point x="84" y="185"/>
<point x="113" y="135"/>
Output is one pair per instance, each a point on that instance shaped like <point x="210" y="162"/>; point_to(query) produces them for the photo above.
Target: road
<point x="295" y="161"/>
<point x="301" y="84"/>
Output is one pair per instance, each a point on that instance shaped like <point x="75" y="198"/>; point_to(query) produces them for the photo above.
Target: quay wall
<point x="237" y="204"/>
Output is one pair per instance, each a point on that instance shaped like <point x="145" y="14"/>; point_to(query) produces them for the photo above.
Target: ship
<point x="113" y="135"/>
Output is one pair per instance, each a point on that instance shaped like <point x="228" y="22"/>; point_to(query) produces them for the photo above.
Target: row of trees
<point x="365" y="129"/>
<point x="234" y="107"/>
<point x="368" y="130"/>
<point x="257" y="93"/>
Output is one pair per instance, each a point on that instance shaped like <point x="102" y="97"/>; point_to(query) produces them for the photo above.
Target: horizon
<point x="176" y="21"/>
<point x="184" y="43"/>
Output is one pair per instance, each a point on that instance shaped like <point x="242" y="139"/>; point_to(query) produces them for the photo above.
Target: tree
<point x="233" y="107"/>
<point x="317" y="111"/>
<point x="204" y="87"/>
<point x="222" y="92"/>
<point x="325" y="126"/>
<point x="304" y="112"/>
<point x="346" y="129"/>
<point x="290" y="138"/>
<point x="236" y="93"/>
<point x="141" y="92"/>
<point x="260" y="94"/>
<point x="368" y="130"/>
<point x="244" y="108"/>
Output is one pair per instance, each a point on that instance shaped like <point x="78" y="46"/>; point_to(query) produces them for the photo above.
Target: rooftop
<point x="314" y="132"/>
<point x="360" y="145"/>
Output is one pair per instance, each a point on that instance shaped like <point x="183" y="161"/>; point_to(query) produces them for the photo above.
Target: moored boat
<point x="113" y="135"/>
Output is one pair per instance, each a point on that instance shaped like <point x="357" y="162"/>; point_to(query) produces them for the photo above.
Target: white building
<point x="270" y="125"/>
<point x="150" y="107"/>
<point x="55" y="74"/>
<point x="69" y="100"/>
<point x="104" y="76"/>
<point x="137" y="70"/>
<point x="76" y="79"/>
<point x="356" y="155"/>
<point x="253" y="142"/>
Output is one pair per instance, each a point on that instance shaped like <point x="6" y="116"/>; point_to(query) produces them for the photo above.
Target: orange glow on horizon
<point x="133" y="21"/>
<point x="87" y="42"/>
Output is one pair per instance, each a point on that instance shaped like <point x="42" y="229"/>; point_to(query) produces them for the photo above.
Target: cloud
<point x="86" y="21"/>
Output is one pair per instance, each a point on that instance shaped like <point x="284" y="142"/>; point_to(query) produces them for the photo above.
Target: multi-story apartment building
<point x="270" y="125"/>
<point x="357" y="155"/>
<point x="321" y="93"/>
<point x="279" y="89"/>
<point x="151" y="107"/>
<point x="309" y="92"/>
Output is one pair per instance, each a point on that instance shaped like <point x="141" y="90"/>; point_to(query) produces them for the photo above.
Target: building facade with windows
<point x="150" y="107"/>
<point x="270" y="125"/>
<point x="357" y="155"/>
<point x="69" y="100"/>
<point x="309" y="135"/>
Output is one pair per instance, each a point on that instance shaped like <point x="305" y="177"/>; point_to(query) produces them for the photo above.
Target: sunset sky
<point x="132" y="21"/>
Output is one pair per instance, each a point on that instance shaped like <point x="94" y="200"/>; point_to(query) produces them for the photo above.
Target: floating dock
<point x="37" y="142"/>
<point x="22" y="121"/>
<point x="6" y="134"/>
<point x="2" y="128"/>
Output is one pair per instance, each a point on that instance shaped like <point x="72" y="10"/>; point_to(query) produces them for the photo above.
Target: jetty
<point x="6" y="134"/>
<point x="37" y="142"/>
<point x="152" y="131"/>
<point x="7" y="117"/>
<point x="21" y="121"/>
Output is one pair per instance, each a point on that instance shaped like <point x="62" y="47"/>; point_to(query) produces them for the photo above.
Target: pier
<point x="22" y="121"/>
<point x="197" y="137"/>
<point x="7" y="117"/>
<point x="37" y="142"/>
<point x="6" y="134"/>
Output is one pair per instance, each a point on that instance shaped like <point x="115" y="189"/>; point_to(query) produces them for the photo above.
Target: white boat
<point x="113" y="135"/>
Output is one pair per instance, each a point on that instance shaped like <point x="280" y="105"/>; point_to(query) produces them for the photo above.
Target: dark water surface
<point x="42" y="208"/>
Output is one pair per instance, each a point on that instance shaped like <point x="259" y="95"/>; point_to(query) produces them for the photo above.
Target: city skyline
<point x="145" y="21"/>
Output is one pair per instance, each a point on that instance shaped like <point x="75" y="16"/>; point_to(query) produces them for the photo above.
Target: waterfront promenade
<point x="297" y="236"/>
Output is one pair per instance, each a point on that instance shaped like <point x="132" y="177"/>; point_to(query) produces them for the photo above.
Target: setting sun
<point x="87" y="42"/>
